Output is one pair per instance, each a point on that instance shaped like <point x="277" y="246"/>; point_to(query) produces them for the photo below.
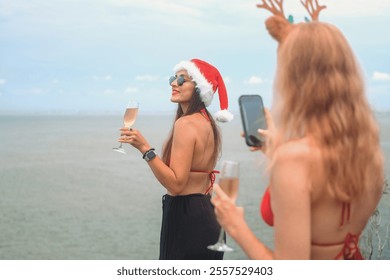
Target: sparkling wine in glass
<point x="228" y="181"/>
<point x="128" y="120"/>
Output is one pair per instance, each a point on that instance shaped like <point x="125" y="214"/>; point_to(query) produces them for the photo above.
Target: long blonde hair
<point x="319" y="91"/>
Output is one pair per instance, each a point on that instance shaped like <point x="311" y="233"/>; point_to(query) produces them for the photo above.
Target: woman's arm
<point x="174" y="177"/>
<point x="290" y="200"/>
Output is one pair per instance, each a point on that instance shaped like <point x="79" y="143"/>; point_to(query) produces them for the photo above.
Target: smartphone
<point x="253" y="118"/>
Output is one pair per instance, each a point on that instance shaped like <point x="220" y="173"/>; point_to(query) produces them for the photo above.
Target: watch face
<point x="150" y="155"/>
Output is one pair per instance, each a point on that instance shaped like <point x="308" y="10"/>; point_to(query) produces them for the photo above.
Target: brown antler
<point x="313" y="8"/>
<point x="274" y="6"/>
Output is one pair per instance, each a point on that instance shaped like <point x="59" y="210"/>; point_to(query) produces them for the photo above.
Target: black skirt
<point x="188" y="226"/>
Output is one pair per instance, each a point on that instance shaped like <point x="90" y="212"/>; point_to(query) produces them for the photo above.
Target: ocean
<point x="66" y="195"/>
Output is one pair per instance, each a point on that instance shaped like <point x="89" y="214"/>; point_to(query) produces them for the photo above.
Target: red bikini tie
<point x="350" y="250"/>
<point x="212" y="180"/>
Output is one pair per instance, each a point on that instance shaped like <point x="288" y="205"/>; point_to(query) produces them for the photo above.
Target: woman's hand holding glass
<point x="229" y="216"/>
<point x="128" y="120"/>
<point x="229" y="182"/>
<point x="134" y="138"/>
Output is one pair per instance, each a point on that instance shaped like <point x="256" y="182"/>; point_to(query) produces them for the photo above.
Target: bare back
<point x="198" y="152"/>
<point x="329" y="223"/>
<point x="304" y="207"/>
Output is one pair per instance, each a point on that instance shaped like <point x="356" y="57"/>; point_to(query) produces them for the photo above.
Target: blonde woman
<point x="326" y="165"/>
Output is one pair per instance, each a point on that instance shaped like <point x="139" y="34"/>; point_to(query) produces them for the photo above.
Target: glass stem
<point x="221" y="234"/>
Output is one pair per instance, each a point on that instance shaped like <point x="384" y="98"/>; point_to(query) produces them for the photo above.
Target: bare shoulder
<point x="298" y="163"/>
<point x="186" y="124"/>
<point x="298" y="151"/>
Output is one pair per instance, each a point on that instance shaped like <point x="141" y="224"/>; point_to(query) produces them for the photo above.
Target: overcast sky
<point x="94" y="55"/>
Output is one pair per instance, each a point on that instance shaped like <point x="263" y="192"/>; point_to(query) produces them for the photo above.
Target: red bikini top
<point x="266" y="210"/>
<point x="350" y="250"/>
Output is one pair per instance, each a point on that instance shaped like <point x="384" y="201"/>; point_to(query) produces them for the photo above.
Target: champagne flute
<point x="128" y="120"/>
<point x="229" y="184"/>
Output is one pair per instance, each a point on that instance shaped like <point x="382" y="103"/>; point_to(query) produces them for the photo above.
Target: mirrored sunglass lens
<point x="180" y="80"/>
<point x="171" y="79"/>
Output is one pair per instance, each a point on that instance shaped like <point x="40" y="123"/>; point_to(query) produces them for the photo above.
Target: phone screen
<point x="253" y="118"/>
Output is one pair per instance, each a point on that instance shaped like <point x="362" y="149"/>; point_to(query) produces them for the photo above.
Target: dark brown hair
<point x="195" y="106"/>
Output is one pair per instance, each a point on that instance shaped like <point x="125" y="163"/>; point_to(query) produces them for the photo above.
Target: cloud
<point x="109" y="91"/>
<point x="199" y="9"/>
<point x="341" y="8"/>
<point x="380" y="76"/>
<point x="104" y="78"/>
<point x="148" y="78"/>
<point x="227" y="80"/>
<point x="254" y="80"/>
<point x="37" y="91"/>
<point x="131" y="90"/>
<point x="3" y="81"/>
<point x="191" y="8"/>
<point x="359" y="8"/>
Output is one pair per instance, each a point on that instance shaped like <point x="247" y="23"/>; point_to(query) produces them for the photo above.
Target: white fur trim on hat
<point x="223" y="116"/>
<point x="206" y="89"/>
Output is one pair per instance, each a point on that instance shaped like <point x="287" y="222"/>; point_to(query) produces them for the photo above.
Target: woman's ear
<point x="278" y="27"/>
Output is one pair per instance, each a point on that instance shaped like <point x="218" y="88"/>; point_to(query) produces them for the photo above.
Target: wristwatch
<point x="149" y="155"/>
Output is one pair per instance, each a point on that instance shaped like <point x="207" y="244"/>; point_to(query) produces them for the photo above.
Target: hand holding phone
<point x="253" y="119"/>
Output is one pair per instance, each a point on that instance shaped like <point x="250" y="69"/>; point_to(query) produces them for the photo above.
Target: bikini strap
<point x="204" y="114"/>
<point x="345" y="213"/>
<point x="211" y="176"/>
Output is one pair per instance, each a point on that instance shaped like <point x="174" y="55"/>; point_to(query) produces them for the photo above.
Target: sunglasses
<point x="180" y="80"/>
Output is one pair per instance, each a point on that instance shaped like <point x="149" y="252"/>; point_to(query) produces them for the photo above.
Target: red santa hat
<point x="208" y="80"/>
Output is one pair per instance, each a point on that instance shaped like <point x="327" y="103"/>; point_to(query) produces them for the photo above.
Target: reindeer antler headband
<point x="278" y="26"/>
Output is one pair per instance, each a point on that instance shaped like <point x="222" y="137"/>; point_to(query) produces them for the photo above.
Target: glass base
<point x="119" y="150"/>
<point x="220" y="247"/>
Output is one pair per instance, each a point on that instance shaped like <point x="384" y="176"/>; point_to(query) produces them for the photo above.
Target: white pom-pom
<point x="223" y="116"/>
